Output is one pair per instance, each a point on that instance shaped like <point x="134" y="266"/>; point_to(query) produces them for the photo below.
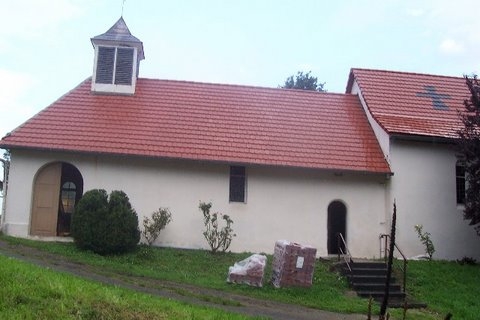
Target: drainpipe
<point x="4" y="192"/>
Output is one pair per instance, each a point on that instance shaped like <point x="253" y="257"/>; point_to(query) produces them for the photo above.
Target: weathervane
<point x="123" y="4"/>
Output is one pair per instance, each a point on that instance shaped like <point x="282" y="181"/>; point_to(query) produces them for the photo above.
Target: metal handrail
<point x="340" y="241"/>
<point x="386" y="237"/>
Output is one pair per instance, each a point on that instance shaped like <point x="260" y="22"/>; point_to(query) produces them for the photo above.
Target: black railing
<point x="384" y="250"/>
<point x="343" y="251"/>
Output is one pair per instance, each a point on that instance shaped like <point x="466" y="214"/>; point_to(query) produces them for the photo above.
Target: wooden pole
<point x="383" y="309"/>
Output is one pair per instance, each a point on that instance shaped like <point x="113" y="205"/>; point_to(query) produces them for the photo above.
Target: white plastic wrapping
<point x="249" y="271"/>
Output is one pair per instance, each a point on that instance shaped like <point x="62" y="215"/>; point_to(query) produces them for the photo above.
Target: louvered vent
<point x="124" y="66"/>
<point x="117" y="59"/>
<point x="105" y="62"/>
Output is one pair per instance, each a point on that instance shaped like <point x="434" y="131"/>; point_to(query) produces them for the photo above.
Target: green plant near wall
<point x="152" y="226"/>
<point x="426" y="240"/>
<point x="219" y="239"/>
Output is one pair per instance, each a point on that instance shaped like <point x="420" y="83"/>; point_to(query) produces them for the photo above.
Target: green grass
<point x="447" y="287"/>
<point x="201" y="268"/>
<point x="31" y="292"/>
<point x="444" y="286"/>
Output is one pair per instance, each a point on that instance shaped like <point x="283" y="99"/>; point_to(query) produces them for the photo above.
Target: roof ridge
<point x="406" y="73"/>
<point x="301" y="91"/>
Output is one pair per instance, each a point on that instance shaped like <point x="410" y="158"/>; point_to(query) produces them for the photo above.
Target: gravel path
<point x="196" y="295"/>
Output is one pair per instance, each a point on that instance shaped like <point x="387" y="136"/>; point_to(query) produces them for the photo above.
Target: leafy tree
<point x="425" y="238"/>
<point x="304" y="82"/>
<point x="469" y="147"/>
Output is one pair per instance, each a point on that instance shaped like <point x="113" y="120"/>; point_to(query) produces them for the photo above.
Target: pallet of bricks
<point x="249" y="271"/>
<point x="293" y="264"/>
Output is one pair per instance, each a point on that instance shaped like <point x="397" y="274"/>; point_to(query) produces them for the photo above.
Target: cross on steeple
<point x="431" y="92"/>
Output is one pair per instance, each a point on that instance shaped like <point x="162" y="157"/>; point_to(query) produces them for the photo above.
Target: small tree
<point x="153" y="226"/>
<point x="425" y="239"/>
<point x="304" y="82"/>
<point x="218" y="239"/>
<point x="469" y="147"/>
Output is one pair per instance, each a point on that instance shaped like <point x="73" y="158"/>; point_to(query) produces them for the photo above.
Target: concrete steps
<point x="368" y="280"/>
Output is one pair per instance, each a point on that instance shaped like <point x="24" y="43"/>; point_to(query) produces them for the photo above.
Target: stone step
<point x="369" y="271"/>
<point x="368" y="280"/>
<point x="371" y="265"/>
<point x="394" y="287"/>
<point x="358" y="278"/>
<point x="378" y="295"/>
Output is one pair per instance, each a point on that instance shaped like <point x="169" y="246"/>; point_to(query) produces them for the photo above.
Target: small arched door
<point x="337" y="223"/>
<point x="57" y="188"/>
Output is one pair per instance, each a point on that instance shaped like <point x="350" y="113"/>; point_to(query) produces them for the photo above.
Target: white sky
<point x="45" y="48"/>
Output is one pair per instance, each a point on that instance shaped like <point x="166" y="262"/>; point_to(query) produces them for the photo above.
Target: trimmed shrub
<point x="89" y="220"/>
<point x="105" y="226"/>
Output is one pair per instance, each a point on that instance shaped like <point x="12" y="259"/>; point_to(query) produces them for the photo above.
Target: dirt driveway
<point x="165" y="289"/>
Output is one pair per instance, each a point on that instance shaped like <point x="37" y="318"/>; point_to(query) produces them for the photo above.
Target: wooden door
<point x="45" y="201"/>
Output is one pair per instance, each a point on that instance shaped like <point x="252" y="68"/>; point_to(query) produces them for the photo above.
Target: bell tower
<point x="117" y="60"/>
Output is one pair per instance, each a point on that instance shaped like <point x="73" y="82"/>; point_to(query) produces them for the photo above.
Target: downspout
<point x="4" y="192"/>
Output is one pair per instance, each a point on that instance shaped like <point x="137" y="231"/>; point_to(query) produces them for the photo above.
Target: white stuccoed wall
<point x="281" y="203"/>
<point x="424" y="187"/>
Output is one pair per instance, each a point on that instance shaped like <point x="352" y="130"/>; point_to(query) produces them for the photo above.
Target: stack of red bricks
<point x="249" y="271"/>
<point x="293" y="264"/>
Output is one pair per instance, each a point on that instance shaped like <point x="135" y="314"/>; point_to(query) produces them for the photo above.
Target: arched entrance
<point x="337" y="223"/>
<point x="57" y="188"/>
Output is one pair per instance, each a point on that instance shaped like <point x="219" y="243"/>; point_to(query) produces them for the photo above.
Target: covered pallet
<point x="248" y="271"/>
<point x="293" y="264"/>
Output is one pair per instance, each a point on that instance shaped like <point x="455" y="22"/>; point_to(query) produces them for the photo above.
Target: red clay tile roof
<point x="411" y="103"/>
<point x="214" y="122"/>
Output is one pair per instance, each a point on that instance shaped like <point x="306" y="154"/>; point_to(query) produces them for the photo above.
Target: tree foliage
<point x="469" y="147"/>
<point x="304" y="81"/>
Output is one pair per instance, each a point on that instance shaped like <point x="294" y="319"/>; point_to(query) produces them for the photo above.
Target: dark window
<point x="69" y="193"/>
<point x="237" y="184"/>
<point x="118" y="59"/>
<point x="460" y="177"/>
<point x="105" y="62"/>
<point x="124" y="66"/>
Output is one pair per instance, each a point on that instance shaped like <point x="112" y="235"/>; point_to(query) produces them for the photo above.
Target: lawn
<point x="444" y="286"/>
<point x="32" y="292"/>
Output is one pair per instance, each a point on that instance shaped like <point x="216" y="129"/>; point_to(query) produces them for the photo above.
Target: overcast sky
<point x="45" y="48"/>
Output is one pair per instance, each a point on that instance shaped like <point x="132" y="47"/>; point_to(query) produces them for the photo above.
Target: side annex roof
<point x="412" y="104"/>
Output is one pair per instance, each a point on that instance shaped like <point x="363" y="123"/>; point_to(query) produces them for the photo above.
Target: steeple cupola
<point x="117" y="59"/>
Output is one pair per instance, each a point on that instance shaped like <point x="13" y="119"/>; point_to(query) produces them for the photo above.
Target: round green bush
<point x="105" y="225"/>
